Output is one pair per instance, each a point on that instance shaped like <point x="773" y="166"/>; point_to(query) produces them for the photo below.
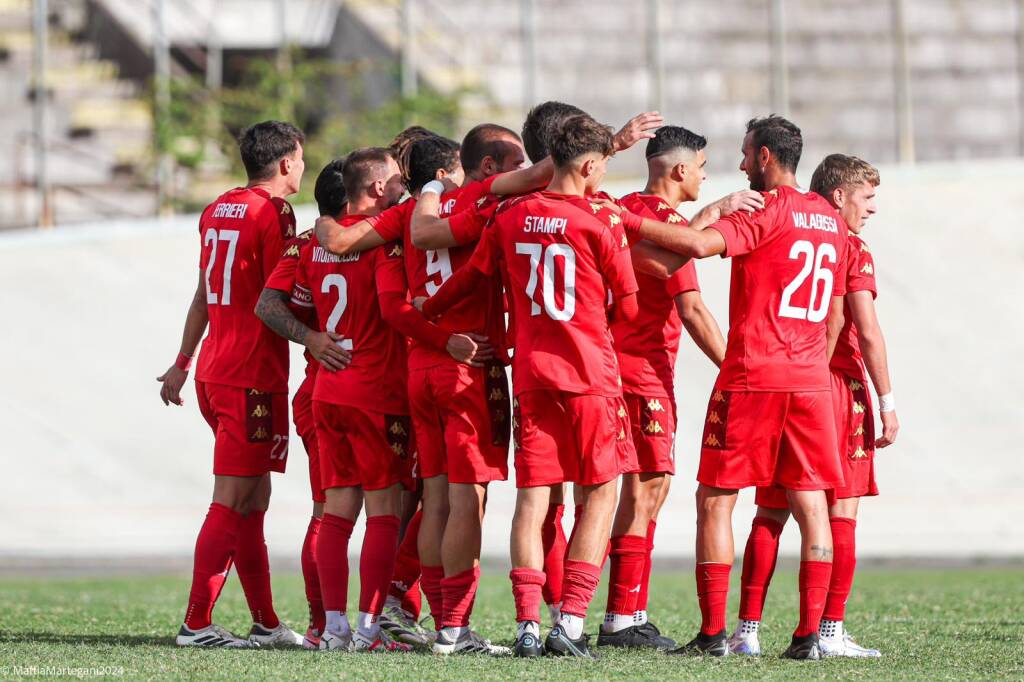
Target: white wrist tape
<point x="886" y="403"/>
<point x="435" y="186"/>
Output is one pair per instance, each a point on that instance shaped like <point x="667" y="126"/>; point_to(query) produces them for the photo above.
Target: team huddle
<point x="435" y="265"/>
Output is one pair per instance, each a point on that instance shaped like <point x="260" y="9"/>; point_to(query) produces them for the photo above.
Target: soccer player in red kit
<point x="647" y="348"/>
<point x="241" y="383"/>
<point x="848" y="183"/>
<point x="361" y="412"/>
<point x="560" y="255"/>
<point x="770" y="419"/>
<point x="273" y="308"/>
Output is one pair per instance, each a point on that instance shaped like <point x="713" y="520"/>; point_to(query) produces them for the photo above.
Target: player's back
<point x="788" y="262"/>
<point x="561" y="255"/>
<point x="243" y="232"/>
<point x="344" y="291"/>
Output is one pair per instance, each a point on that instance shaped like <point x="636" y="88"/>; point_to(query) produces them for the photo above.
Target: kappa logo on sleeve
<point x="396" y="250"/>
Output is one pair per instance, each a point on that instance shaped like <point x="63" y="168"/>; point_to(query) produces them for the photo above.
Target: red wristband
<point x="183" y="362"/>
<point x="631" y="222"/>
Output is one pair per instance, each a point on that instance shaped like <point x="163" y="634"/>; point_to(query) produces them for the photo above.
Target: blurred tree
<point x="201" y="128"/>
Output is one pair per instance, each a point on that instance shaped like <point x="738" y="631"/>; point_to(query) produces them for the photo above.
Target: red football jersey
<point x="648" y="345"/>
<point x="860" y="276"/>
<point x="560" y="254"/>
<point x="344" y="290"/>
<point x="242" y="235"/>
<point x="283" y="279"/>
<point x="789" y="260"/>
<point x="427" y="270"/>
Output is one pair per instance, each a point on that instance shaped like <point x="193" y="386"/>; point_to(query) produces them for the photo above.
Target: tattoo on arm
<point x="821" y="553"/>
<point x="273" y="309"/>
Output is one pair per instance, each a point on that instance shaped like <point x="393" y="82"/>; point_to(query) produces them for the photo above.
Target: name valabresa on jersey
<point x="815" y="221"/>
<point x="224" y="210"/>
<point x="322" y="255"/>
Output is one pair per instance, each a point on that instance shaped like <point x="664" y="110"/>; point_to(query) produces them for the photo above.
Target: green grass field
<point x="930" y="624"/>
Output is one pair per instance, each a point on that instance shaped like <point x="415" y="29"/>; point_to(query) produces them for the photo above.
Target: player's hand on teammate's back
<point x="323" y="346"/>
<point x="471" y="349"/>
<point x="640" y="127"/>
<point x="171" y="382"/>
<point x="744" y="200"/>
<point x="890" y="427"/>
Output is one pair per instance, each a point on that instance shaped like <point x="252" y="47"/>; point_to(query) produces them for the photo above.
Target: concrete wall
<point x="94" y="464"/>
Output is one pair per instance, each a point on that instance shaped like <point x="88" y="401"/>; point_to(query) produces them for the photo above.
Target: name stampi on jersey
<point x="322" y="255"/>
<point x="815" y="221"/>
<point x="545" y="224"/>
<point x="236" y="211"/>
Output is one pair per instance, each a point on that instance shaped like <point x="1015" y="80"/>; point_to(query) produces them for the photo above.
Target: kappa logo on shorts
<point x="716" y="422"/>
<point x="860" y="422"/>
<point x="397" y="429"/>
<point x="259" y="418"/>
<point x="654" y="418"/>
<point x="496" y="386"/>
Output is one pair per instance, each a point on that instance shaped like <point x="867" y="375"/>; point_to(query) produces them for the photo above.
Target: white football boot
<point x="212" y="636"/>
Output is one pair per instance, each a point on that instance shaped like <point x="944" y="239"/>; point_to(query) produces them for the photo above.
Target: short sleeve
<point x="486" y="255"/>
<point x="389" y="269"/>
<point x="860" y="268"/>
<point x="282" y="278"/>
<point x="615" y="262"/>
<point x="682" y="280"/>
<point x="390" y="224"/>
<point x="743" y="231"/>
<point x="302" y="293"/>
<point x="467" y="226"/>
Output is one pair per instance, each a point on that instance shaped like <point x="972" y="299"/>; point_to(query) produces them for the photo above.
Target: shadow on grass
<point x="7" y="637"/>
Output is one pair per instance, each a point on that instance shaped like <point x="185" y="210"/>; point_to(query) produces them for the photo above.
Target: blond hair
<point x="841" y="170"/>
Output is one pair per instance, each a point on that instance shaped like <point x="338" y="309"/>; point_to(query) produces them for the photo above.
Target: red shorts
<point x="462" y="421"/>
<point x="570" y="438"/>
<point x="761" y="438"/>
<point x="305" y="426"/>
<point x="360" y="447"/>
<point x="654" y="433"/>
<point x="855" y="432"/>
<point x="250" y="428"/>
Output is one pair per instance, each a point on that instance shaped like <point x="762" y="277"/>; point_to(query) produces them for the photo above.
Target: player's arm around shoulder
<point x="341" y="240"/>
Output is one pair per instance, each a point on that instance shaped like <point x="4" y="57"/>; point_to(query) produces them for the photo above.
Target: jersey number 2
<point x="822" y="279"/>
<point x="337" y="282"/>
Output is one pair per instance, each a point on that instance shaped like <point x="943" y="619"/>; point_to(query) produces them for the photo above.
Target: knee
<point x="713" y="504"/>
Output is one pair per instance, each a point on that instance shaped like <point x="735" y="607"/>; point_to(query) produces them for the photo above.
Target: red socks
<point x="578" y="587"/>
<point x="377" y="562"/>
<point x="844" y="561"/>
<point x="712" y="594"/>
<point x="430" y="580"/>
<point x="214" y="549"/>
<point x="527" y="587"/>
<point x="645" y="580"/>
<point x="814" y="577"/>
<point x="332" y="561"/>
<point x="758" y="566"/>
<point x="405" y="582"/>
<point x="253" y="566"/>
<point x="629" y="558"/>
<point x="458" y="592"/>
<point x="311" y="577"/>
<point x="554" y="553"/>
